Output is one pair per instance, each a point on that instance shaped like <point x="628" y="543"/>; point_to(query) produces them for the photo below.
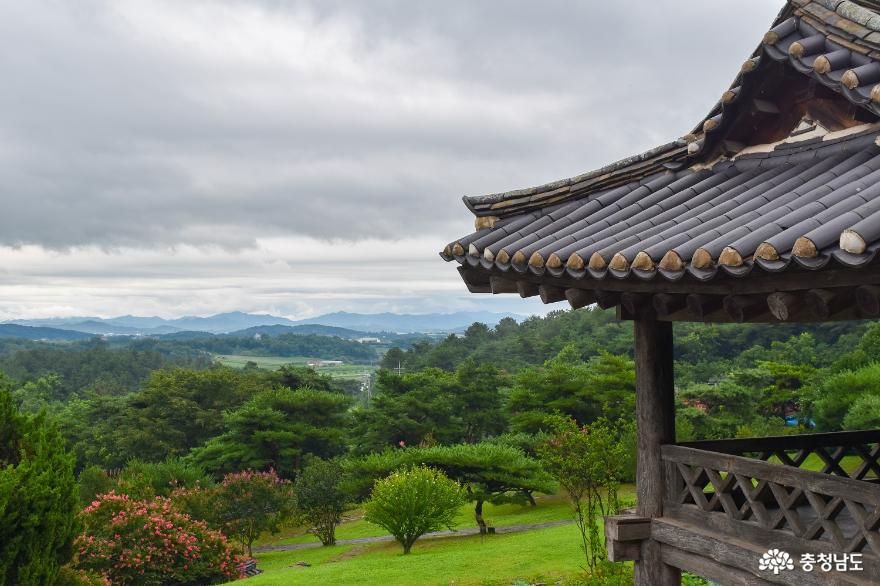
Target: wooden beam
<point x="627" y="527"/>
<point x="823" y="303"/>
<point x="607" y="299"/>
<point x="636" y="303"/>
<point x="742" y="308"/>
<point x="706" y="567"/>
<point x="839" y="486"/>
<point x="502" y="285"/>
<point x="623" y="536"/>
<point x="790" y="281"/>
<point x="868" y="299"/>
<point x="764" y="107"/>
<point x="526" y="289"/>
<point x="476" y="281"/>
<point x="700" y="305"/>
<point x="786" y="442"/>
<point x="784" y="306"/>
<point x="668" y="303"/>
<point x="721" y="317"/>
<point x="578" y="298"/>
<point x="551" y="294"/>
<point x="655" y="422"/>
<point x="623" y="551"/>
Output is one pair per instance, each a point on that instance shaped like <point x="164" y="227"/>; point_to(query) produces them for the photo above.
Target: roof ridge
<point x="847" y="25"/>
<point x="853" y="11"/>
<point x="478" y="203"/>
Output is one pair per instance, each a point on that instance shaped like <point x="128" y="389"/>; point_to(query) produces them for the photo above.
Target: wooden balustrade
<point x="852" y="454"/>
<point x="763" y="504"/>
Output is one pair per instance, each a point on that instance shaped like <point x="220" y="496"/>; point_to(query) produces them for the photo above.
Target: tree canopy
<point x="276" y="429"/>
<point x="38" y="498"/>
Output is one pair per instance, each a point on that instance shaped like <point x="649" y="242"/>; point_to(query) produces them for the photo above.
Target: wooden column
<point x="655" y="420"/>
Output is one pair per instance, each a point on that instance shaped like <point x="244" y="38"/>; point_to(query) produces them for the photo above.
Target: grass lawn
<point x="816" y="464"/>
<point x="550" y="508"/>
<point x="542" y="555"/>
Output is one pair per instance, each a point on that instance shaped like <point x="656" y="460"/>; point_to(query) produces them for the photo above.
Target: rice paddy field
<point x="341" y="371"/>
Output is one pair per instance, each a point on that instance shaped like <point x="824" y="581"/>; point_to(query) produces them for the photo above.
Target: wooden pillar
<point x="655" y="420"/>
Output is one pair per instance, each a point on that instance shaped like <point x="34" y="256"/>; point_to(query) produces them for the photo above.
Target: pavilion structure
<point x="768" y="211"/>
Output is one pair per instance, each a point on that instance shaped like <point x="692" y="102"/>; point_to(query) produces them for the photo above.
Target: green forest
<point x="489" y="409"/>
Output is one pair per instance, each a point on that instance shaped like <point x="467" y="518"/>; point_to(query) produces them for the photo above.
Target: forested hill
<point x="93" y="365"/>
<point x="115" y="366"/>
<point x="708" y="349"/>
<point x="732" y="380"/>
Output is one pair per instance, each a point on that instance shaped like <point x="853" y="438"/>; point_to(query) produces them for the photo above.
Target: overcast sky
<point x="166" y="158"/>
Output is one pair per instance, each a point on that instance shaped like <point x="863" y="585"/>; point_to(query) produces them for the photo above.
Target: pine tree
<point x="38" y="499"/>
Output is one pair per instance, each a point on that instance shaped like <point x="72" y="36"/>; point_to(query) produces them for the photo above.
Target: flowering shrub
<point x="148" y="542"/>
<point x="248" y="503"/>
<point x="198" y="503"/>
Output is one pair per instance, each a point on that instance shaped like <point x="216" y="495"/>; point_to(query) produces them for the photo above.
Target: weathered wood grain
<point x="526" y="289"/>
<point x="723" y="551"/>
<point x="578" y="298"/>
<point x="502" y="285"/>
<point x="551" y="294"/>
<point x="655" y="422"/>
<point x="784" y="306"/>
<point x="709" y="568"/>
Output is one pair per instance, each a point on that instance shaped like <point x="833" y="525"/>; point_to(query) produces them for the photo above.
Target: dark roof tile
<point x="804" y="202"/>
<point x="731" y="206"/>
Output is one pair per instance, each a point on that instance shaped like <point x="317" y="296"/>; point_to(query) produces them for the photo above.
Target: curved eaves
<point x="805" y="205"/>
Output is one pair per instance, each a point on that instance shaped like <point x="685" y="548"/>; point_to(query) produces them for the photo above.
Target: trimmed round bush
<point x="410" y="503"/>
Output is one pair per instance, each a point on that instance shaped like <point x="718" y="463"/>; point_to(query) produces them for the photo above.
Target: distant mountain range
<point x="40" y="333"/>
<point x="133" y="325"/>
<point x="341" y="324"/>
<point x="408" y="322"/>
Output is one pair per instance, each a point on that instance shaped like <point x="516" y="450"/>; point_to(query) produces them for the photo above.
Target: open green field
<point x="814" y="463"/>
<point x="539" y="555"/>
<point x="550" y="508"/>
<point x="346" y="371"/>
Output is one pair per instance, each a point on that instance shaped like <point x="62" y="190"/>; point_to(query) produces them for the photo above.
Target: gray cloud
<point x="147" y="124"/>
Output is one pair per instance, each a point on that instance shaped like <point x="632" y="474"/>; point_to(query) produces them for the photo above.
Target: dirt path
<point x="382" y="538"/>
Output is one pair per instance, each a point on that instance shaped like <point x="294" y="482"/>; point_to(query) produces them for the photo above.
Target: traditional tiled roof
<point x="698" y="206"/>
<point x="765" y="209"/>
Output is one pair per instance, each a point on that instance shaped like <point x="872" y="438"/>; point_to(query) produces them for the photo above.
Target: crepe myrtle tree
<point x="247" y="504"/>
<point x="412" y="502"/>
<point x="133" y="542"/>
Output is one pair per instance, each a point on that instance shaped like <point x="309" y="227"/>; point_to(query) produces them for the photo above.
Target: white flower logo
<point x="776" y="560"/>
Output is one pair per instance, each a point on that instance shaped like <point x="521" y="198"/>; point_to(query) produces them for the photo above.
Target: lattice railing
<point x="854" y="454"/>
<point x="752" y="497"/>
